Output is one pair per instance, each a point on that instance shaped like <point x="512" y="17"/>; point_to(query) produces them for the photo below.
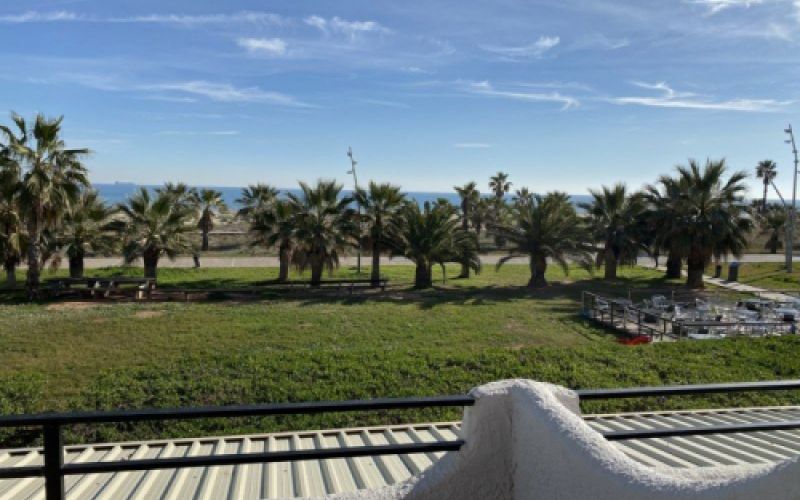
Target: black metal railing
<point x="54" y="470"/>
<point x="688" y="390"/>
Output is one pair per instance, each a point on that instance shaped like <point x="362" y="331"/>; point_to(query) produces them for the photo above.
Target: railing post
<point x="53" y="461"/>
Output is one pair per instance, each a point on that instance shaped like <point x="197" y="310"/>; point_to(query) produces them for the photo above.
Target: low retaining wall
<point x="526" y="440"/>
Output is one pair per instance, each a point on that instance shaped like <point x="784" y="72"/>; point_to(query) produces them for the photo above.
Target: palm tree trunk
<point x="375" y="271"/>
<point x="34" y="253"/>
<point x="316" y="272"/>
<point x="283" y="262"/>
<point x="423" y="277"/>
<point x="764" y="200"/>
<point x="150" y="264"/>
<point x="11" y="273"/>
<point x="204" y="246"/>
<point x="695" y="266"/>
<point x="610" y="263"/>
<point x="76" y="265"/>
<point x="538" y="265"/>
<point x="674" y="264"/>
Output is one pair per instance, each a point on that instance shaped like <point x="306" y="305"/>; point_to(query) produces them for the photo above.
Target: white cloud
<point x="533" y="50"/>
<point x="173" y="19"/>
<point x="349" y="29"/>
<point x="265" y="46"/>
<point x="196" y="132"/>
<point x="384" y="103"/>
<point x="472" y="145"/>
<point x="715" y="6"/>
<point x="228" y="93"/>
<point x="486" y="89"/>
<point x="688" y="100"/>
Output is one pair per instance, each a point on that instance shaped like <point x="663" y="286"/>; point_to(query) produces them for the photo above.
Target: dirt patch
<point x="148" y="314"/>
<point x="71" y="306"/>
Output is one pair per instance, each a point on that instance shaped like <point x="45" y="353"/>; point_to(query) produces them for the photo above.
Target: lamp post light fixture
<point x="792" y="209"/>
<point x="352" y="172"/>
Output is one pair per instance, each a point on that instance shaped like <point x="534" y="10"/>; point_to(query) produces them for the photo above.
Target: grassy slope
<point x="315" y="347"/>
<point x="768" y="275"/>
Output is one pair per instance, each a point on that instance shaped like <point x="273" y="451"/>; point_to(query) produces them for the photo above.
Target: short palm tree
<point x="51" y="178"/>
<point x="431" y="236"/>
<point x="523" y="196"/>
<point x="85" y="231"/>
<point x="481" y="214"/>
<point x="273" y="225"/>
<point x="153" y="226"/>
<point x="210" y="205"/>
<point x="714" y="220"/>
<point x="766" y="170"/>
<point x="379" y="204"/>
<point x="615" y="221"/>
<point x="12" y="238"/>
<point x="470" y="196"/>
<point x="772" y="224"/>
<point x="548" y="228"/>
<point x="325" y="227"/>
<point x="254" y="198"/>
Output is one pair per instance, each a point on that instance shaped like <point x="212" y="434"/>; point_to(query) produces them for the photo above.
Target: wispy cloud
<point x="384" y="103"/>
<point x="534" y="50"/>
<point x="670" y="98"/>
<point x="199" y="132"/>
<point x="349" y="29"/>
<point x="715" y="6"/>
<point x="250" y="17"/>
<point x="486" y="89"/>
<point x="225" y="92"/>
<point x="472" y="145"/>
<point x="263" y="46"/>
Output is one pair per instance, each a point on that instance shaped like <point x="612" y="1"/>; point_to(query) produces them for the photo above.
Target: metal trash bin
<point x="733" y="271"/>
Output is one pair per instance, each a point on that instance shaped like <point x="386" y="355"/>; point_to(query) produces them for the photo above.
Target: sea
<point x="118" y="192"/>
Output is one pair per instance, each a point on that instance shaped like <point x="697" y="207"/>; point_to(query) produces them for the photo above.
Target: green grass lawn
<point x="771" y="275"/>
<point x="307" y="346"/>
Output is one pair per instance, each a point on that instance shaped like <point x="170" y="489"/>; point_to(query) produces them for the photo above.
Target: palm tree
<point x="325" y="227"/>
<point x="714" y="220"/>
<point x="470" y="196"/>
<point x="51" y="177"/>
<point x="85" y="230"/>
<point x="481" y="214"/>
<point x="254" y="198"/>
<point x="663" y="216"/>
<point x="210" y="204"/>
<point x="614" y="218"/>
<point x="11" y="235"/>
<point x="523" y="196"/>
<point x="766" y="170"/>
<point x="379" y="205"/>
<point x="499" y="185"/>
<point x="273" y="225"/>
<point x="152" y="227"/>
<point x="431" y="236"/>
<point x="772" y="224"/>
<point x="548" y="228"/>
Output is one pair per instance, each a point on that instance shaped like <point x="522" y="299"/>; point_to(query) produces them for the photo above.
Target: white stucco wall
<point x="527" y="441"/>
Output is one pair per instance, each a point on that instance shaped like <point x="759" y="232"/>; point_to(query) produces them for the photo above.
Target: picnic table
<point x="104" y="286"/>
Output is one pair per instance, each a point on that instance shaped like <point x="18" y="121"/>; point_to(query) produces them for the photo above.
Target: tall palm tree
<point x="772" y="224"/>
<point x="432" y="236"/>
<point x="325" y="227"/>
<point x="379" y="204"/>
<point x="153" y="226"/>
<point x="51" y="177"/>
<point x="714" y="220"/>
<point x="254" y="198"/>
<point x="663" y="217"/>
<point x="615" y="221"/>
<point x="273" y="225"/>
<point x="499" y="184"/>
<point x="766" y="170"/>
<point x="523" y="196"/>
<point x="470" y="196"/>
<point x="85" y="231"/>
<point x="210" y="205"/>
<point x="548" y="228"/>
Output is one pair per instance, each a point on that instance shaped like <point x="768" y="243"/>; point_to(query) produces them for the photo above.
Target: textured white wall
<point x="527" y="441"/>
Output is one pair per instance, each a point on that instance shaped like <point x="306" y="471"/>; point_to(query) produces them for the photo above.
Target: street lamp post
<point x="790" y="225"/>
<point x="352" y="170"/>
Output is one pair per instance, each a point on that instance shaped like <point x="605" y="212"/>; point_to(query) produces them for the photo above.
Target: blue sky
<point x="562" y="94"/>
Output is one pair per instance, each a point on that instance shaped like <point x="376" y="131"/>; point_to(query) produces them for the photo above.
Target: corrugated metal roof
<point x="274" y="480"/>
<point x="707" y="450"/>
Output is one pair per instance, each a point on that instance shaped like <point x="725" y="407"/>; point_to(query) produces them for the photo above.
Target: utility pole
<point x="352" y="170"/>
<point x="792" y="210"/>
